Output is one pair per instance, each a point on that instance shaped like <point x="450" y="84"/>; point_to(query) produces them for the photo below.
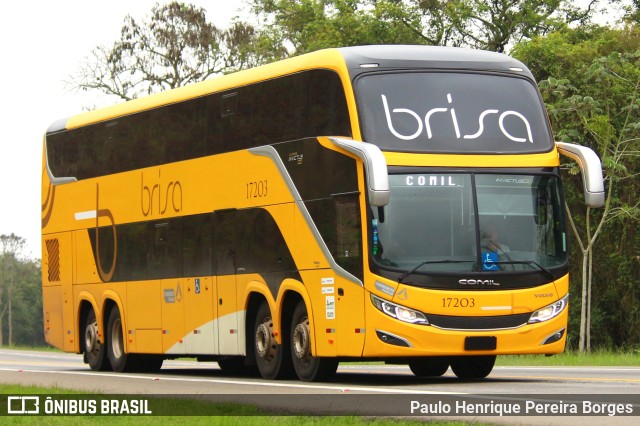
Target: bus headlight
<point x="399" y="312"/>
<point x="550" y="311"/>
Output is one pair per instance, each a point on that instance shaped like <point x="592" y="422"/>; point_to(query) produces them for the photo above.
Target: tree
<point x="176" y="46"/>
<point x="633" y="12"/>
<point x="27" y="322"/>
<point x="11" y="246"/>
<point x="20" y="294"/>
<point x="247" y="48"/>
<point x="591" y="88"/>
<point x="308" y="25"/>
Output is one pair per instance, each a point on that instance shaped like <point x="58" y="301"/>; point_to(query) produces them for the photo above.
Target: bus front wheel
<point x="94" y="352"/>
<point x="432" y="366"/>
<point x="307" y="367"/>
<point x="472" y="367"/>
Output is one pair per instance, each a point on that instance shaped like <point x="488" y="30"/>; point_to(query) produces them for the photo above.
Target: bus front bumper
<point x="390" y="337"/>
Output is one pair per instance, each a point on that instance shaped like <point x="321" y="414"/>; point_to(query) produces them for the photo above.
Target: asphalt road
<point x="395" y="384"/>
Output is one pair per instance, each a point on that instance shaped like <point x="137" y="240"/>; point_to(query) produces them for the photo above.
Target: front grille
<point x="478" y="323"/>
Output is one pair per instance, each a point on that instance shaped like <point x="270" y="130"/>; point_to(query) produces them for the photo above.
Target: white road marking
<point x="247" y="383"/>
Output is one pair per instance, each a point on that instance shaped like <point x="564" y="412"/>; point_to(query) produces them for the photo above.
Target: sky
<point x="42" y="45"/>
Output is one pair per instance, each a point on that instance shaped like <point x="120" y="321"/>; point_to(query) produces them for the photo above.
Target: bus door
<point x="224" y="253"/>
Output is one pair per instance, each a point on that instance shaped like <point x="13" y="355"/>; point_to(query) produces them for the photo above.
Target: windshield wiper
<point x="547" y="272"/>
<point x="430" y="262"/>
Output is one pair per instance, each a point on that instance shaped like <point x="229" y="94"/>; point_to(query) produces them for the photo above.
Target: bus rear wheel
<point x="307" y="367"/>
<point x="95" y="353"/>
<point x="472" y="367"/>
<point x="272" y="360"/>
<point x="432" y="366"/>
<point x="120" y="361"/>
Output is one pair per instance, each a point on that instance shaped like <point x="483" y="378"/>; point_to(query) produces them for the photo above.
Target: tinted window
<point x="234" y="241"/>
<point x="305" y="104"/>
<point x="440" y="112"/>
<point x="261" y="247"/>
<point x="318" y="172"/>
<point x="338" y="221"/>
<point x="225" y="242"/>
<point x="153" y="250"/>
<point x="163" y="256"/>
<point x="197" y="245"/>
<point x="297" y="106"/>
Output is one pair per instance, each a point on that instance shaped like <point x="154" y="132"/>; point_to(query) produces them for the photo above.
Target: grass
<point x="571" y="358"/>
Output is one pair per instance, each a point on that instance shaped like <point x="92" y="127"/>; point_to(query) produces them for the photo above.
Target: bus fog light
<point x="399" y="312"/>
<point x="554" y="337"/>
<point x="549" y="312"/>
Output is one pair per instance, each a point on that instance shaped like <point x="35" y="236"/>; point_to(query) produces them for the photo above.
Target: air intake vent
<point x="501" y="322"/>
<point x="53" y="254"/>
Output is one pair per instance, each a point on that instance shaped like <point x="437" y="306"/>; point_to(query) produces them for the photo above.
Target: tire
<point x="95" y="353"/>
<point x="272" y="360"/>
<point x="472" y="367"/>
<point x="308" y="368"/>
<point x="120" y="361"/>
<point x="431" y="366"/>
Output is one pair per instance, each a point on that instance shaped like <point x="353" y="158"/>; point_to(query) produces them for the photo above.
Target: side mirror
<point x="375" y="166"/>
<point x="591" y="169"/>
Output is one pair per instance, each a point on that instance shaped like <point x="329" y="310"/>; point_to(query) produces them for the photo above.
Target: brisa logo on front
<point x="426" y="126"/>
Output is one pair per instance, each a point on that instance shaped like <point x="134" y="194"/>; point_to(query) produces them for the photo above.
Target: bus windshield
<point x="454" y="222"/>
<point x="452" y="112"/>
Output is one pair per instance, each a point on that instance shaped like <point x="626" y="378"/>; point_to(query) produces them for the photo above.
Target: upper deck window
<point x="295" y="106"/>
<point x="452" y="113"/>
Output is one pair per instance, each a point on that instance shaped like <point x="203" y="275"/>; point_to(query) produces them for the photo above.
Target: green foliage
<point x="307" y="25"/>
<point x="27" y="306"/>
<point x="574" y="358"/>
<point x="20" y="295"/>
<point x="591" y="85"/>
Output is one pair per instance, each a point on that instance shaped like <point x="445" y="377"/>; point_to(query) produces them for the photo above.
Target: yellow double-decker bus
<point x="397" y="203"/>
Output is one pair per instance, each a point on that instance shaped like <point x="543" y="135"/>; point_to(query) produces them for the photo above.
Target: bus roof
<point x="429" y="57"/>
<point x="356" y="60"/>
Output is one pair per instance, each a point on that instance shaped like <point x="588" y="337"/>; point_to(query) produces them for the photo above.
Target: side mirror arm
<point x="591" y="169"/>
<point x="375" y="167"/>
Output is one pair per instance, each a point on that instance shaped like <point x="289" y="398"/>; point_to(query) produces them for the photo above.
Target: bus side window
<point x="163" y="258"/>
<point x="338" y="221"/>
<point x="229" y="104"/>
<point x="197" y="233"/>
<point x="348" y="250"/>
<point x="224" y="242"/>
